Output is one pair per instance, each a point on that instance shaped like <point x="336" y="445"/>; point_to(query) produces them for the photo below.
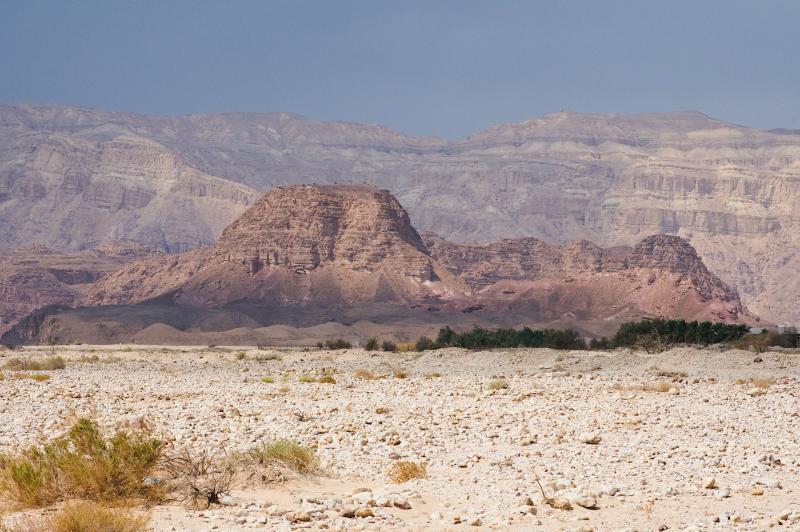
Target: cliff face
<point x="343" y="246"/>
<point x="73" y="177"/>
<point x="34" y="276"/>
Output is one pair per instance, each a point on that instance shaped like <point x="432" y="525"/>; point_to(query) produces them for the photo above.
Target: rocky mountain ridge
<point x="73" y="177"/>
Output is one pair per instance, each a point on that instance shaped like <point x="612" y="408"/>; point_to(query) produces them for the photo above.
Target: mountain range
<point x="73" y="179"/>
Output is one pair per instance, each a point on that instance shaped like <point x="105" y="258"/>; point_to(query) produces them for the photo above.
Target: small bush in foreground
<point x="27" y="364"/>
<point x="371" y="345"/>
<point x="288" y="454"/>
<point x="82" y="464"/>
<point x="404" y="471"/>
<point x="201" y="479"/>
<point x="497" y="384"/>
<point x="86" y="516"/>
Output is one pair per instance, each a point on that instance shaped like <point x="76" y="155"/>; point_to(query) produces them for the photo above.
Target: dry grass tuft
<point x="404" y="471"/>
<point x="38" y="377"/>
<point x="84" y="516"/>
<point x="433" y="375"/>
<point x="288" y="454"/>
<point x="268" y="380"/>
<point x="28" y="364"/>
<point x="381" y="410"/>
<point x="660" y="387"/>
<point x="400" y="374"/>
<point x="674" y="375"/>
<point x="327" y="379"/>
<point x="364" y="374"/>
<point x="305" y="378"/>
<point x="403" y="347"/>
<point x="762" y="383"/>
<point x="497" y="384"/>
<point x="267" y="357"/>
<point x="82" y="464"/>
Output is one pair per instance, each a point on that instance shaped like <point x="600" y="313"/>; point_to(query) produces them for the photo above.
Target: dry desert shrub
<point x="364" y="374"/>
<point x="381" y="410"/>
<point x="660" y="387"/>
<point x="403" y="347"/>
<point x="305" y="378"/>
<point x="28" y="364"/>
<point x="286" y="453"/>
<point x="38" y="377"/>
<point x="84" y="463"/>
<point x="674" y="375"/>
<point x="400" y="374"/>
<point x="267" y="357"/>
<point x="762" y="383"/>
<point x="433" y="375"/>
<point x="388" y="346"/>
<point x="268" y="380"/>
<point x="200" y="479"/>
<point x="497" y="384"/>
<point x="326" y="379"/>
<point x="241" y="355"/>
<point x="403" y="471"/>
<point x="85" y="516"/>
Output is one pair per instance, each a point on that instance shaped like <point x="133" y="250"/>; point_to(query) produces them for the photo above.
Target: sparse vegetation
<point x="371" y="345"/>
<point x="241" y="355"/>
<point x="338" y="344"/>
<point x="27" y="364"/>
<point x="38" y="377"/>
<point x="388" y="346"/>
<point x="660" y="387"/>
<point x="497" y="384"/>
<point x="268" y="380"/>
<point x="381" y="410"/>
<point x="434" y="375"/>
<point x="424" y="344"/>
<point x="403" y="471"/>
<point x="404" y="347"/>
<point x="288" y="454"/>
<point x="267" y="357"/>
<point x="305" y="378"/>
<point x="83" y="463"/>
<point x="759" y="343"/>
<point x="327" y="379"/>
<point x="762" y="383"/>
<point x="87" y="516"/>
<point x="201" y="479"/>
<point x="400" y="374"/>
<point x="364" y="374"/>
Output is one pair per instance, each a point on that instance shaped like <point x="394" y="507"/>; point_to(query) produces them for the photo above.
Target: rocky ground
<point x="687" y="439"/>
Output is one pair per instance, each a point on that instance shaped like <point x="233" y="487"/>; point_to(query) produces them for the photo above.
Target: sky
<point x="447" y="68"/>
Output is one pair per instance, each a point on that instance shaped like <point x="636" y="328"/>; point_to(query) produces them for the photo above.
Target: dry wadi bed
<point x="687" y="439"/>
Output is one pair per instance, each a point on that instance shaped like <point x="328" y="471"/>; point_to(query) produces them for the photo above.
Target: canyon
<point x="74" y="178"/>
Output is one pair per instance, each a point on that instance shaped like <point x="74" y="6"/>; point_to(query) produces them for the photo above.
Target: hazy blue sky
<point x="444" y="68"/>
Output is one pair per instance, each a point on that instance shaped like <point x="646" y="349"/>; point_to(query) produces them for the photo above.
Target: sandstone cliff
<point x="338" y="247"/>
<point x="72" y="177"/>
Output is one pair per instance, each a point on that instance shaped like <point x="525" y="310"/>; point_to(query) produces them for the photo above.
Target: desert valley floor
<point x="700" y="439"/>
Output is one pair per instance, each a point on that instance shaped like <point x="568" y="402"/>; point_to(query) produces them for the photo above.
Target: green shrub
<point x="82" y="464"/>
<point x="424" y="344"/>
<point x="388" y="346"/>
<point x="371" y="345"/>
<point x="338" y="344"/>
<point x="288" y="454"/>
<point x="27" y="364"/>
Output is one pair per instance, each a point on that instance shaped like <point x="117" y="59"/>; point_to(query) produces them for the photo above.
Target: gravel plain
<point x="688" y="439"/>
